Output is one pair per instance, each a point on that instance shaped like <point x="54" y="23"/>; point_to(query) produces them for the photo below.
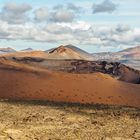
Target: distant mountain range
<point x="131" y="53"/>
<point x="129" y="56"/>
<point x="59" y="53"/>
<point x="7" y="50"/>
<point x="28" y="49"/>
<point x="11" y="50"/>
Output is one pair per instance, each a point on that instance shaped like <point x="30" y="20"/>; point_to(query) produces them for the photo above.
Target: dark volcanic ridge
<point x="115" y="69"/>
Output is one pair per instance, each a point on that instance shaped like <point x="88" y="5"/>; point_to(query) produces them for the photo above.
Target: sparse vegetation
<point x="42" y="120"/>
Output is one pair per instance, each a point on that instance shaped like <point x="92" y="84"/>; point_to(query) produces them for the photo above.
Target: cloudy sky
<point x="93" y="25"/>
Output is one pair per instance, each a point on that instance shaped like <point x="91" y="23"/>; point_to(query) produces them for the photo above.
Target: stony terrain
<point x="36" y="120"/>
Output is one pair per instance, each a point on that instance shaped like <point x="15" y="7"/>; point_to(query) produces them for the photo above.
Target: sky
<point x="92" y="25"/>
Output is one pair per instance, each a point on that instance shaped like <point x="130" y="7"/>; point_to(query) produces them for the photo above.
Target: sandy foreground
<point x="36" y="120"/>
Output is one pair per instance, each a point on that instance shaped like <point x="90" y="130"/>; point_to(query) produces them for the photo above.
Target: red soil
<point x="23" y="82"/>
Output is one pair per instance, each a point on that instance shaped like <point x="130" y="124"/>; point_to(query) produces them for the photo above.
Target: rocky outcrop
<point x="115" y="69"/>
<point x="27" y="59"/>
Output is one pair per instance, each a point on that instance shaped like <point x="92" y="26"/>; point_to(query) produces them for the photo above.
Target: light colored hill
<point x="131" y="50"/>
<point x="131" y="53"/>
<point x="77" y="50"/>
<point x="63" y="52"/>
<point x="68" y="52"/>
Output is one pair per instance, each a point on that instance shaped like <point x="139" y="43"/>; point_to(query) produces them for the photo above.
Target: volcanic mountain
<point x="69" y="52"/>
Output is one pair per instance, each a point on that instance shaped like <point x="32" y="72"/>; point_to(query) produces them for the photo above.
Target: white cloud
<point x="59" y="13"/>
<point x="106" y="6"/>
<point x="41" y="14"/>
<point x="78" y="33"/>
<point x="74" y="7"/>
<point x="61" y="25"/>
<point x="15" y="13"/>
<point x="82" y="25"/>
<point x="62" y="15"/>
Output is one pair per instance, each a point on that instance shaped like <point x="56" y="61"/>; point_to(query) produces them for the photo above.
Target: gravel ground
<point x="36" y="120"/>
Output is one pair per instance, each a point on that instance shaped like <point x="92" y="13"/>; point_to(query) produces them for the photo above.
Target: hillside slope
<point x="29" y="83"/>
